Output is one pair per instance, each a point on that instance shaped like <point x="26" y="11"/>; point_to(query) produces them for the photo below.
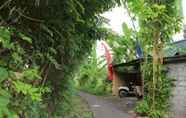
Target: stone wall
<point x="177" y="71"/>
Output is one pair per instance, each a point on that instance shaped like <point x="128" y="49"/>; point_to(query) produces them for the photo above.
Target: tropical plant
<point x="158" y="21"/>
<point x="122" y="46"/>
<point x="92" y="76"/>
<point x="41" y="44"/>
<point x="142" y="107"/>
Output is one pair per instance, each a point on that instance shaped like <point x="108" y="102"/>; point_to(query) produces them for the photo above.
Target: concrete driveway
<point x="105" y="107"/>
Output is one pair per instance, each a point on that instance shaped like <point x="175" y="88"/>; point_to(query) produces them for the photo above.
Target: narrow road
<point x="103" y="108"/>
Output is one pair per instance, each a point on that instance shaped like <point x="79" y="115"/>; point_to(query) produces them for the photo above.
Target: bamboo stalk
<point x="155" y="66"/>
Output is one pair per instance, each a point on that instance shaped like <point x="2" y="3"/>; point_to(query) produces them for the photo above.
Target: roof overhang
<point x="166" y="60"/>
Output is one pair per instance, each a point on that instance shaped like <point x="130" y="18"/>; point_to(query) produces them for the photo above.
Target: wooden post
<point x="116" y="83"/>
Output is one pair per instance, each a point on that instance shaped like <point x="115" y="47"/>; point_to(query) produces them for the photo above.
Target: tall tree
<point x="61" y="33"/>
<point x="158" y="21"/>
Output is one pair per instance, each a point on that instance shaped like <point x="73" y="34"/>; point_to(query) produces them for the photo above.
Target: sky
<point x="184" y="9"/>
<point x="119" y="15"/>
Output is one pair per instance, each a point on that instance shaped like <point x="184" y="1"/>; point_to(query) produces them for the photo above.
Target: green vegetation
<point x="163" y="92"/>
<point x="142" y="107"/>
<point x="41" y="45"/>
<point x="158" y="21"/>
<point x="79" y="109"/>
<point x="123" y="47"/>
<point x="92" y="76"/>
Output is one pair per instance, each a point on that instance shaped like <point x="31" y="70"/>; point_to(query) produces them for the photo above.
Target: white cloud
<point x="184" y="10"/>
<point x="117" y="17"/>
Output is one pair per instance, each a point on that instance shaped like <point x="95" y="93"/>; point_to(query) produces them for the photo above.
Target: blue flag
<point x="139" y="52"/>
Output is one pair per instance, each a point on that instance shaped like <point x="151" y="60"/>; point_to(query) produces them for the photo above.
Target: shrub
<point x="142" y="107"/>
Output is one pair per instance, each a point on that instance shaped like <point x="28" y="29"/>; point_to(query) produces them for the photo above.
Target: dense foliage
<point x="158" y="21"/>
<point x="92" y="75"/>
<point x="123" y="46"/>
<point x="163" y="93"/>
<point x="41" y="43"/>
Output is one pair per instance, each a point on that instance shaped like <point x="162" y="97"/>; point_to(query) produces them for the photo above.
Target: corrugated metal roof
<point x="176" y="48"/>
<point x="166" y="60"/>
<point x="176" y="52"/>
<point x="181" y="43"/>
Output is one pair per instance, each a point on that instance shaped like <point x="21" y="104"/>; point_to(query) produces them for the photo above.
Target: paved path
<point x="103" y="108"/>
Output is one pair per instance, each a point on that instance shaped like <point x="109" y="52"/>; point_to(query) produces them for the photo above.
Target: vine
<point x="41" y="44"/>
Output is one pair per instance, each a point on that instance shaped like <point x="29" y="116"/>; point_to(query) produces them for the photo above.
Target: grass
<point x="80" y="109"/>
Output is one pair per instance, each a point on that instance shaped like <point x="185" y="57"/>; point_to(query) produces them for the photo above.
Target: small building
<point x="175" y="64"/>
<point x="126" y="73"/>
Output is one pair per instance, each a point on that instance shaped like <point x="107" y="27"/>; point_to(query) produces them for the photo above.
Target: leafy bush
<point x="92" y="77"/>
<point x="158" y="114"/>
<point x="79" y="109"/>
<point x="163" y="92"/>
<point x="142" y="107"/>
<point x="45" y="41"/>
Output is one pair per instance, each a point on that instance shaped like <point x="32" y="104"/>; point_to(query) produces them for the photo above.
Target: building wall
<point x="121" y="79"/>
<point x="177" y="71"/>
<point x="116" y="83"/>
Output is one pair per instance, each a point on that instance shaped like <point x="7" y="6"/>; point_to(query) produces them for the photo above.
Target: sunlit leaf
<point x="3" y="74"/>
